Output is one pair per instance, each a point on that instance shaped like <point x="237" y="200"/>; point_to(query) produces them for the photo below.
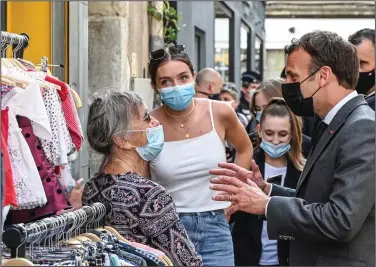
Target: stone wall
<point x="118" y="30"/>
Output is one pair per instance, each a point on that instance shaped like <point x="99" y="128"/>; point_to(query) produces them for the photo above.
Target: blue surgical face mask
<point x="258" y="115"/>
<point x="275" y="151"/>
<point x="178" y="97"/>
<point x="154" y="145"/>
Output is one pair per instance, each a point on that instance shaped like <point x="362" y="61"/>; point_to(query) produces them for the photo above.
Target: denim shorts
<point x="210" y="233"/>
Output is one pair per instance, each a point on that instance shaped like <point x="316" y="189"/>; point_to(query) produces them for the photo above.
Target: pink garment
<point x="70" y="112"/>
<point x="56" y="198"/>
<point x="10" y="197"/>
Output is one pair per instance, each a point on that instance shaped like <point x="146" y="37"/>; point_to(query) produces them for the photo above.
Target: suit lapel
<point x="292" y="175"/>
<point x="337" y="122"/>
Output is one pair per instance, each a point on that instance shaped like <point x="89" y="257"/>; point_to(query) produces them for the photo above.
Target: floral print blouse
<point x="142" y="211"/>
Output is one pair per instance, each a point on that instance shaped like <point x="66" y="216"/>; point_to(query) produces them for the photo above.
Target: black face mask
<point x="365" y="82"/>
<point x="299" y="105"/>
<point x="210" y="96"/>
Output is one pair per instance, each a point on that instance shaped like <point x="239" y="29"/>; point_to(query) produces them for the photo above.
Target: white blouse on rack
<point x="29" y="189"/>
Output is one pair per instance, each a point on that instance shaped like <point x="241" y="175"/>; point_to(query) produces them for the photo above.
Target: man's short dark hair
<point x="361" y="35"/>
<point x="329" y="49"/>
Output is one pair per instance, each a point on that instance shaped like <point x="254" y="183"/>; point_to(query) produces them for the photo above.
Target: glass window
<point x="258" y="55"/>
<point x="222" y="45"/>
<point x="244" y="60"/>
<point x="197" y="53"/>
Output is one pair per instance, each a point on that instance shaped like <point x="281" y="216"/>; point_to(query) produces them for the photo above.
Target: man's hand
<point x="247" y="197"/>
<point x="233" y="170"/>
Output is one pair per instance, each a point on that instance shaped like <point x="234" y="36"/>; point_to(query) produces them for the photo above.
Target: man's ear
<point x="210" y="87"/>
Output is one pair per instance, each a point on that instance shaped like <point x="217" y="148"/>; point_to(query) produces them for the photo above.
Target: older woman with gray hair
<point x="120" y="128"/>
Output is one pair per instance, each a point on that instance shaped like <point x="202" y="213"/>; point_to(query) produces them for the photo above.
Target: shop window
<point x="223" y="35"/>
<point x="258" y="55"/>
<point x="199" y="51"/>
<point x="245" y="48"/>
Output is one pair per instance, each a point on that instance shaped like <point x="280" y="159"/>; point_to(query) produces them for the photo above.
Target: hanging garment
<point x="61" y="145"/>
<point x="70" y="112"/>
<point x="28" y="186"/>
<point x="56" y="197"/>
<point x="10" y="197"/>
<point x="5" y="89"/>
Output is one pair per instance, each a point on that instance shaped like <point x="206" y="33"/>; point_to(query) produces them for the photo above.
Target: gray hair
<point x="110" y="114"/>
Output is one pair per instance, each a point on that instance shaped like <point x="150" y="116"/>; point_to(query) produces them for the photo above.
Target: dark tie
<point x="318" y="133"/>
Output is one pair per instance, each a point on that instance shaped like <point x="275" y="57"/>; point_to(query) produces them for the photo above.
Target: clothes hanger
<point x="7" y="82"/>
<point x="14" y="60"/>
<point x="116" y="234"/>
<point x="17" y="262"/>
<point x="91" y="236"/>
<point x="18" y="82"/>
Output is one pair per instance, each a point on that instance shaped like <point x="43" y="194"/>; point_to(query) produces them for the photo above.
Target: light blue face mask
<point x="155" y="137"/>
<point x="178" y="97"/>
<point x="258" y="115"/>
<point x="275" y="151"/>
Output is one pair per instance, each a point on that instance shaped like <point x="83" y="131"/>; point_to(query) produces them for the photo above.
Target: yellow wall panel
<point x="34" y="19"/>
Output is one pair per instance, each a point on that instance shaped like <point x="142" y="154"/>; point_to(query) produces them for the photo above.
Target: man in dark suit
<point x="330" y="217"/>
<point x="364" y="41"/>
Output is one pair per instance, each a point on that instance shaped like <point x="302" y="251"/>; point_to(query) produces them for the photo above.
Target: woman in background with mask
<point x="268" y="90"/>
<point x="195" y="131"/>
<point x="261" y="97"/>
<point x="120" y="128"/>
<point x="280" y="160"/>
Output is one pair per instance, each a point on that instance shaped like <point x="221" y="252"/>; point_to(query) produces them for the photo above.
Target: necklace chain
<point x="181" y="116"/>
<point x="182" y="125"/>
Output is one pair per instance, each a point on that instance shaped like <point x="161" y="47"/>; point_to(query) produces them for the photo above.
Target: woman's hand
<point x="75" y="197"/>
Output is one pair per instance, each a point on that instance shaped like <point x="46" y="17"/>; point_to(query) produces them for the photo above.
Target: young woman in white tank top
<point x="195" y="131"/>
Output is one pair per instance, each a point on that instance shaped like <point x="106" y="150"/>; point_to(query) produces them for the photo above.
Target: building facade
<point x="226" y="35"/>
<point x="101" y="45"/>
<point x="106" y="45"/>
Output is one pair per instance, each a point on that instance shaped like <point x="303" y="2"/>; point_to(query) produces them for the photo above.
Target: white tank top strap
<point x="211" y="113"/>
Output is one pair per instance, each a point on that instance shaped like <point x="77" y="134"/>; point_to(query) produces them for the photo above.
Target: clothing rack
<point x="19" y="43"/>
<point x="17" y="236"/>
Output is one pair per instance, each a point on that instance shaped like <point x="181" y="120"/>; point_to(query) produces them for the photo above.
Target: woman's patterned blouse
<point x="142" y="211"/>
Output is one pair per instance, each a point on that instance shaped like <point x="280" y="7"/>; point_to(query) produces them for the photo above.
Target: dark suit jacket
<point x="331" y="215"/>
<point x="371" y="101"/>
<point x="310" y="124"/>
<point x="246" y="233"/>
<point x="306" y="145"/>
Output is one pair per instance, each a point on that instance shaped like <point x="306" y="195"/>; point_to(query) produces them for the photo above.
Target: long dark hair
<point x="169" y="54"/>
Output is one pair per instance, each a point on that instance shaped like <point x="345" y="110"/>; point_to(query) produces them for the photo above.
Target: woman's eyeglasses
<point x="161" y="53"/>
